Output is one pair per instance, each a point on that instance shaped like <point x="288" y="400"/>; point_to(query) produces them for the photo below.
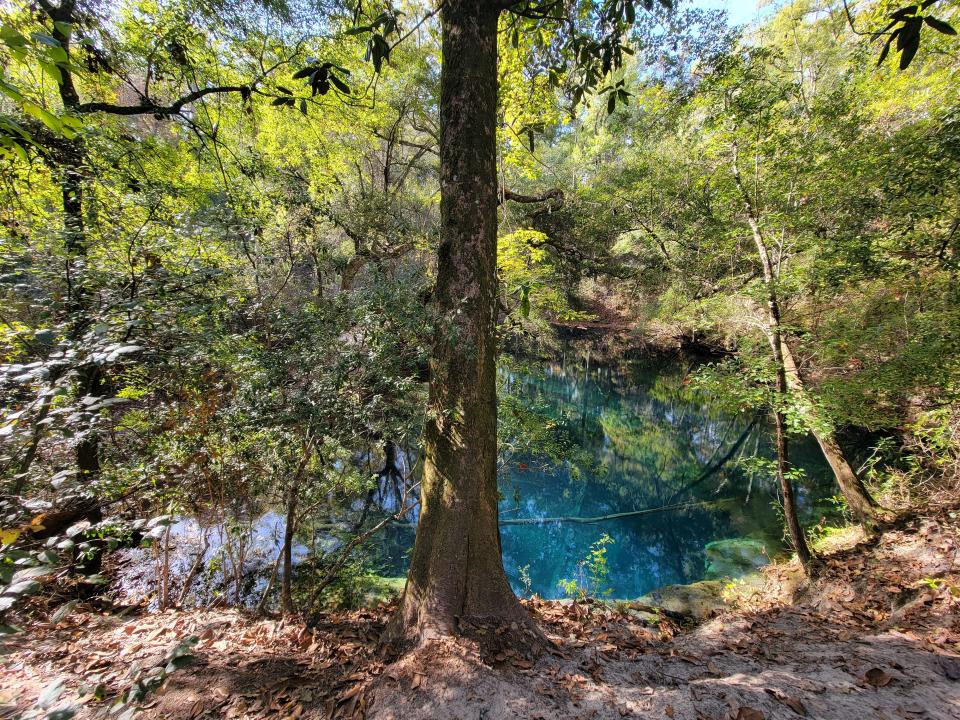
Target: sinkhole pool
<point x="636" y="437"/>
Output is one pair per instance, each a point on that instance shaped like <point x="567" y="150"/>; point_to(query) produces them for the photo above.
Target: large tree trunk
<point x="861" y="503"/>
<point x="776" y="347"/>
<point x="456" y="577"/>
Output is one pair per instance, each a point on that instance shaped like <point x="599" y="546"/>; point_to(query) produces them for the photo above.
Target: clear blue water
<point x="643" y="440"/>
<point x="636" y="437"/>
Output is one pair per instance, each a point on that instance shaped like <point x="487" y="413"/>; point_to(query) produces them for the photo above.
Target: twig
<point x="349" y="547"/>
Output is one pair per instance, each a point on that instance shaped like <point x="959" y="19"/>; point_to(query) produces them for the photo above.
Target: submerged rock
<point x="734" y="557"/>
<point x="699" y="600"/>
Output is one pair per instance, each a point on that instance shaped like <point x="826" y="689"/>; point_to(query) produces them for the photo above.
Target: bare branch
<point x="150" y="108"/>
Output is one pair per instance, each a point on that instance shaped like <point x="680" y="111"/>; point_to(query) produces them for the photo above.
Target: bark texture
<point x="861" y="503"/>
<point x="456" y="576"/>
<point x="67" y="159"/>
<point x="291" y="501"/>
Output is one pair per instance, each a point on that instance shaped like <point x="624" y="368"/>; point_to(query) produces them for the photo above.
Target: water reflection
<point x="639" y="438"/>
<point x="650" y="442"/>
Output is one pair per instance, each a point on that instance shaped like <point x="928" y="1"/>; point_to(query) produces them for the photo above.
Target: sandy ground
<point x="876" y="636"/>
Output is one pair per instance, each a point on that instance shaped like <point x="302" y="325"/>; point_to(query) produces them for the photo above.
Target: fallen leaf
<point x="668" y="711"/>
<point x="794" y="703"/>
<point x="749" y="713"/>
<point x="877" y="677"/>
<point x="350" y="693"/>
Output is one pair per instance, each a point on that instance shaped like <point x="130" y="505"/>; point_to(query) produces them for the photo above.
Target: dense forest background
<point x="218" y="239"/>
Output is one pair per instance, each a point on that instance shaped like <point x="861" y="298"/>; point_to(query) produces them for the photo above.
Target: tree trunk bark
<point x="68" y="162"/>
<point x="861" y="503"/>
<point x="456" y="577"/>
<point x="776" y="347"/>
<point x="286" y="586"/>
<point x="289" y="528"/>
<point x="786" y="489"/>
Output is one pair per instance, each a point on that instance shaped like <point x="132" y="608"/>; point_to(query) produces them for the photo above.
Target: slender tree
<point x="775" y="337"/>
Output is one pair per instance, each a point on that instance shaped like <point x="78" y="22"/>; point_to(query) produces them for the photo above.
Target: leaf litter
<point x="876" y="635"/>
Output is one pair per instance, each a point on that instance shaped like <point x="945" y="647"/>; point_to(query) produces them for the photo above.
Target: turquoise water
<point x="634" y="437"/>
<point x="642" y="439"/>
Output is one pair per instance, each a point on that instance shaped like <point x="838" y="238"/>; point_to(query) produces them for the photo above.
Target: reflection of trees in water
<point x="653" y="435"/>
<point x="645" y="554"/>
<point x="654" y="443"/>
<point x="648" y="432"/>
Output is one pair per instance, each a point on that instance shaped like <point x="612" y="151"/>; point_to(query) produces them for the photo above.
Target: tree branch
<point x="150" y="108"/>
<point x="508" y="194"/>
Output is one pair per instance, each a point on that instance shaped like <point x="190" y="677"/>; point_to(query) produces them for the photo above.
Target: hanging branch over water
<point x="714" y="468"/>
<point x="709" y="471"/>
<point x="604" y="518"/>
<point x="338" y="564"/>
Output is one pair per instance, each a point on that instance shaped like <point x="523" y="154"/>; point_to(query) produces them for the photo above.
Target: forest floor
<point x="877" y="635"/>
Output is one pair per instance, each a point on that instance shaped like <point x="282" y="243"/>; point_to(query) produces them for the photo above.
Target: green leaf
<point x="31" y="573"/>
<point x="20" y="151"/>
<point x="63" y="611"/>
<point x="52" y="70"/>
<point x="26" y="587"/>
<point x="909" y="43"/>
<point x="45" y="39"/>
<point x="11" y="38"/>
<point x="340" y="84"/>
<point x="886" y="47"/>
<point x="10" y="91"/>
<point x="940" y="26"/>
<point x="47" y="118"/>
<point x="177" y="663"/>
<point x="58" y="55"/>
<point x="304" y="72"/>
<point x="62" y="713"/>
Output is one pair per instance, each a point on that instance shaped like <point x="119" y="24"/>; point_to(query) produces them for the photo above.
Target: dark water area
<point x="637" y="437"/>
<point x="646" y="441"/>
